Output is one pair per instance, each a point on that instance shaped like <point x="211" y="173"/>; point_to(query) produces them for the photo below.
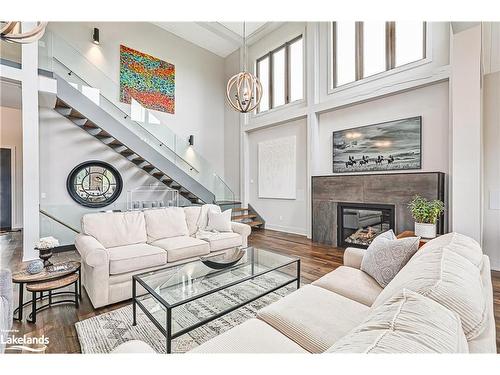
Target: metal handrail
<point x="45" y="213"/>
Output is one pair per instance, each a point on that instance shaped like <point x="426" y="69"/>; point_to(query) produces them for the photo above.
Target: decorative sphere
<point x="35" y="267"/>
<point x="244" y="92"/>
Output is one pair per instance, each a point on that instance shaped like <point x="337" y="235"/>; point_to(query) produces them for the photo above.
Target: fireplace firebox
<point x="359" y="223"/>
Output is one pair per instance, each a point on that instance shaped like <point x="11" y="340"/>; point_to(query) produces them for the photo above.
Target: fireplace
<point x="359" y="223"/>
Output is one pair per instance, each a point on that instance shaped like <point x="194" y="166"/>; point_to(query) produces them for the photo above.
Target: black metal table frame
<point x="32" y="316"/>
<point x="167" y="330"/>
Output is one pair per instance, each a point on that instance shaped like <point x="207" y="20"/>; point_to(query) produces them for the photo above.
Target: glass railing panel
<point x="10" y="52"/>
<point x="51" y="226"/>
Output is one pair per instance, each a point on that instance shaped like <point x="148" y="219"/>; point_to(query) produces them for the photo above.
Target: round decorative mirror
<point x="94" y="184"/>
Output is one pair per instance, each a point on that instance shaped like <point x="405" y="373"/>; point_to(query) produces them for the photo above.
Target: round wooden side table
<point x="53" y="277"/>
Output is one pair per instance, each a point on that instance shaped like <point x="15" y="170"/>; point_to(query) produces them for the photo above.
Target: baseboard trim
<point x="285" y="229"/>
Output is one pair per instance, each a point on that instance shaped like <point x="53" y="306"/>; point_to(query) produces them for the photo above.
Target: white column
<point x="31" y="180"/>
<point x="466" y="215"/>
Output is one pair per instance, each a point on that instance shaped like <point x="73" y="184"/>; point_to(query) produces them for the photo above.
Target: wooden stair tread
<point x="254" y="223"/>
<point x="239" y="209"/>
<point x="241" y="217"/>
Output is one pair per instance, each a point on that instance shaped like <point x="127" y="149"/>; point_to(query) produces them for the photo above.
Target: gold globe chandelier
<point x="9" y="31"/>
<point x="244" y="90"/>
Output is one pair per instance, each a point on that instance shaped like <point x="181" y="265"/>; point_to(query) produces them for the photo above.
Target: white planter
<point x="425" y="230"/>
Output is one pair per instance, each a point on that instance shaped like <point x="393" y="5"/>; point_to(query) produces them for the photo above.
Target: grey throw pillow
<point x="386" y="255"/>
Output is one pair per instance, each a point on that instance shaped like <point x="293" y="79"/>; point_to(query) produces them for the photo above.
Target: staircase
<point x="248" y="216"/>
<point x="154" y="157"/>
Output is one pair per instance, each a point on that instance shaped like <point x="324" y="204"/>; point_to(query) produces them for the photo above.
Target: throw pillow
<point x="220" y="222"/>
<point x="386" y="255"/>
<point x="407" y="323"/>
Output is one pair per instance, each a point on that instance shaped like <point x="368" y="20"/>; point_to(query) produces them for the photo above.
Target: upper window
<point x="281" y="72"/>
<point x="362" y="49"/>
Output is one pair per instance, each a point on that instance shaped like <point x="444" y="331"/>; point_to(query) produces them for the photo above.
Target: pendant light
<point x="244" y="90"/>
<point x="8" y="32"/>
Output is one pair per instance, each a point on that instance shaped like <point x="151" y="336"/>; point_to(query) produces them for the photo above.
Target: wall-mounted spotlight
<point x="191" y="140"/>
<point x="95" y="36"/>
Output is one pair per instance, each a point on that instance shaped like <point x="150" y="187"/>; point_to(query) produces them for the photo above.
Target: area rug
<point x="102" y="333"/>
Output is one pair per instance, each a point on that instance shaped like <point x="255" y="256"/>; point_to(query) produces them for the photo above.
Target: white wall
<point x="466" y="189"/>
<point x="430" y="102"/>
<point x="63" y="146"/>
<point x="286" y="215"/>
<point x="199" y="77"/>
<point x="232" y="131"/>
<point x="491" y="157"/>
<point x="11" y="136"/>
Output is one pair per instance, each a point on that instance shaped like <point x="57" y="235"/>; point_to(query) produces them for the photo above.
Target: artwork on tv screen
<point x="392" y="145"/>
<point x="146" y="79"/>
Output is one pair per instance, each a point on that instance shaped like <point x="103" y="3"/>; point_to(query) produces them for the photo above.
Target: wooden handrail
<point x="45" y="213"/>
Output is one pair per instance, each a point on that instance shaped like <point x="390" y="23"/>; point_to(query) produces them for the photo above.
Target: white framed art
<point x="277" y="164"/>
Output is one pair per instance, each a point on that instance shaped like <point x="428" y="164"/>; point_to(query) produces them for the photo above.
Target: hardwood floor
<point x="58" y="323"/>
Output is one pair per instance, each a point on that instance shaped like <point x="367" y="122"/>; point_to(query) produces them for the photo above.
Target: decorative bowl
<point x="35" y="267"/>
<point x="224" y="260"/>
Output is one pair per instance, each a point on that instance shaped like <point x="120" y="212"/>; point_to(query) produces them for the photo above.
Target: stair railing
<point x="58" y="56"/>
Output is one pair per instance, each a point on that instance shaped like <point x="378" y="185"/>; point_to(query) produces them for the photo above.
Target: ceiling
<point x="221" y="38"/>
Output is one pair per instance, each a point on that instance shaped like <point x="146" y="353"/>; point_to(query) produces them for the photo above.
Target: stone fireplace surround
<point x="391" y="188"/>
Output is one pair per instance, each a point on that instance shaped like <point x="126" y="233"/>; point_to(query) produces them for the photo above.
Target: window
<point x="281" y="73"/>
<point x="362" y="49"/>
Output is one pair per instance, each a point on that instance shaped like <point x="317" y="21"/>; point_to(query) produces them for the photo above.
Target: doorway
<point x="5" y="189"/>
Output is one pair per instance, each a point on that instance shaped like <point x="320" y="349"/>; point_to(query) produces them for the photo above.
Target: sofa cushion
<point x="385" y="257"/>
<point x="113" y="229"/>
<point x="192" y="216"/>
<point x="458" y="243"/>
<point x="130" y="258"/>
<point x="252" y="336"/>
<point x="313" y="317"/>
<point x="447" y="278"/>
<point x="165" y="223"/>
<point x="226" y="240"/>
<point x="182" y="247"/>
<point x="351" y="283"/>
<point x="406" y="323"/>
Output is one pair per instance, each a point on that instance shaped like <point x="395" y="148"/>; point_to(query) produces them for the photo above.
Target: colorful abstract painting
<point x="146" y="79"/>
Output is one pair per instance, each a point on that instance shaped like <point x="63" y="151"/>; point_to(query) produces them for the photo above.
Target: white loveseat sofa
<point x="114" y="246"/>
<point x="441" y="301"/>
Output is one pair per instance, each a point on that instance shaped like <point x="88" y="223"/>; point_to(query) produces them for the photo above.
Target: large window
<point x="281" y="72"/>
<point x="362" y="49"/>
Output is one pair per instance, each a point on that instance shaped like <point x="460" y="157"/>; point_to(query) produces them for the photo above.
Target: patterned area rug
<point x="101" y="334"/>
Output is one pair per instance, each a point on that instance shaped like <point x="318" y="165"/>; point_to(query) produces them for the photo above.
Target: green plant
<point x="425" y="211"/>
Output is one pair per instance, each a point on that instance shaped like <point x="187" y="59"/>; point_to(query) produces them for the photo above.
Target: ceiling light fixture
<point x="8" y="32"/>
<point x="95" y="36"/>
<point x="244" y="90"/>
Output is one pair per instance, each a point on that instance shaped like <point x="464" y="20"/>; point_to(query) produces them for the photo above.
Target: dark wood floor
<point x="58" y="323"/>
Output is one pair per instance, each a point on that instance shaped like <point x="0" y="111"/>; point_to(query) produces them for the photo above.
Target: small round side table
<point x="53" y="277"/>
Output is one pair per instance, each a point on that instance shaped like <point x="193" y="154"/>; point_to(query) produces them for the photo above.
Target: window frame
<point x="270" y="54"/>
<point x="390" y="52"/>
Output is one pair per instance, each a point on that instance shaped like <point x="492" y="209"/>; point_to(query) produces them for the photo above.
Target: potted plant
<point x="426" y="214"/>
<point x="45" y="246"/>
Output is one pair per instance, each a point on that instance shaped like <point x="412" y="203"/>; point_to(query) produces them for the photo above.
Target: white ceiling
<point x="221" y="38"/>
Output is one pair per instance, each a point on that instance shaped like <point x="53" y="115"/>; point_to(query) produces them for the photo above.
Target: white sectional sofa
<point x="114" y="246"/>
<point x="441" y="301"/>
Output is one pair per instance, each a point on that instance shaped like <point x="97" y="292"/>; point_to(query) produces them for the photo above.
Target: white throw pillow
<point x="386" y="255"/>
<point x="220" y="222"/>
<point x="406" y="323"/>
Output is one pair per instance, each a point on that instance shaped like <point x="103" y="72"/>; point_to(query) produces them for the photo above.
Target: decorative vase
<point x="35" y="267"/>
<point x="425" y="230"/>
<point x="45" y="255"/>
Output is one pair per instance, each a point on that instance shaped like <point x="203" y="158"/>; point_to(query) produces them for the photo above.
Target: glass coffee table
<point x="173" y="291"/>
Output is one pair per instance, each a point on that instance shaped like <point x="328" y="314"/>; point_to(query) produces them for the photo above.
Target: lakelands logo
<point x="24" y="343"/>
